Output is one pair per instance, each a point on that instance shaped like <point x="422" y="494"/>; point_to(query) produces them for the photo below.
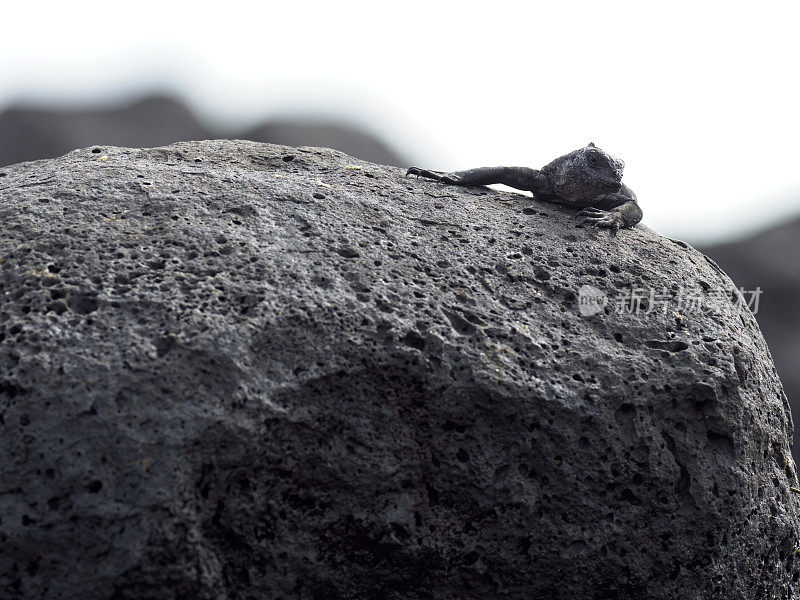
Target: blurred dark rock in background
<point x="771" y="260"/>
<point x="32" y="133"/>
<point x="29" y="133"/>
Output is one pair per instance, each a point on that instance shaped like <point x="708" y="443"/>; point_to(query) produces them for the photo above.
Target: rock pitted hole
<point x="669" y="346"/>
<point x="625" y="416"/>
<point x="738" y="364"/>
<point x="54" y="502"/>
<point x="628" y="496"/>
<point x="96" y="150"/>
<point x="164" y="345"/>
<point x="721" y="441"/>
<point x="459" y="323"/>
<point x="541" y="273"/>
<point x="288" y="158"/>
<point x="82" y="304"/>
<point x="457" y="427"/>
<point x="684" y="483"/>
<point x="413" y="339"/>
<point x="347" y="252"/>
<point x="7" y="388"/>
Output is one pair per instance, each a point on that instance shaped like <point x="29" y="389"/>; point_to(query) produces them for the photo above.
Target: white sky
<point x="699" y="98"/>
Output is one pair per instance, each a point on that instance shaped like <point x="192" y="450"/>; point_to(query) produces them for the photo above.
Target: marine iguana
<point x="587" y="178"/>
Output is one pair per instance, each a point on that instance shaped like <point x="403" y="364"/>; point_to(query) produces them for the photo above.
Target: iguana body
<point x="587" y="178"/>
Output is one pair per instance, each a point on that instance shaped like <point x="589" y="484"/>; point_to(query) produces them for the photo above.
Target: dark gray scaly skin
<point x="588" y="178"/>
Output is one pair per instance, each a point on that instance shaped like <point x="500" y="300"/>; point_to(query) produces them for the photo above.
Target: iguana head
<point x="600" y="165"/>
<point x="584" y="174"/>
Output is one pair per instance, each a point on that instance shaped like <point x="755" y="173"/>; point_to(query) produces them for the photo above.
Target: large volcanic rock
<point x="234" y="370"/>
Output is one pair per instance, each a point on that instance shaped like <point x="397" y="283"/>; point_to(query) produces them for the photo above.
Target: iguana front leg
<point x="627" y="214"/>
<point x="521" y="178"/>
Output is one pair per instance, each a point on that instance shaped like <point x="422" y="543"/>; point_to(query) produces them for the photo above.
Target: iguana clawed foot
<point x="435" y="175"/>
<point x="600" y="218"/>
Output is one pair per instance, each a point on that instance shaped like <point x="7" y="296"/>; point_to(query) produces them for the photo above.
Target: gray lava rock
<point x="234" y="370"/>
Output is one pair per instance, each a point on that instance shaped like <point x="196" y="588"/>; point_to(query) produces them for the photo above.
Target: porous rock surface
<point x="232" y="370"/>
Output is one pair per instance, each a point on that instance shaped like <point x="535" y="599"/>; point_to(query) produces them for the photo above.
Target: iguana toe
<point x="449" y="178"/>
<point x="419" y="172"/>
<point x="601" y="218"/>
<point x="591" y="211"/>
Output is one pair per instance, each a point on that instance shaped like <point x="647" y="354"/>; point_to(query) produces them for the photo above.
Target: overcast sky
<point x="699" y="98"/>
